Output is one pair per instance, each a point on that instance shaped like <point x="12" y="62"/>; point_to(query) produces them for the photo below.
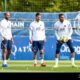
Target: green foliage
<point x="41" y="5"/>
<point x="70" y="5"/>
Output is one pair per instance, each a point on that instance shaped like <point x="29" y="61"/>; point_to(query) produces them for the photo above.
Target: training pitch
<point x="27" y="66"/>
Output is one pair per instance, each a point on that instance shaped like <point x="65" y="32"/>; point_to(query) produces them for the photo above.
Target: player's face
<point x="7" y="16"/>
<point x="38" y="18"/>
<point x="61" y="18"/>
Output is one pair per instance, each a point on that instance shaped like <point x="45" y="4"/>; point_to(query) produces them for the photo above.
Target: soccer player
<point x="78" y="16"/>
<point x="6" y="44"/>
<point x="37" y="38"/>
<point x="63" y="32"/>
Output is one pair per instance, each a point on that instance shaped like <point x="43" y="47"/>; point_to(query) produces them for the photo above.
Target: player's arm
<point x="55" y="28"/>
<point x="30" y="34"/>
<point x="70" y="29"/>
<point x="1" y="31"/>
<point x="12" y="40"/>
<point x="12" y="36"/>
<point x="44" y="32"/>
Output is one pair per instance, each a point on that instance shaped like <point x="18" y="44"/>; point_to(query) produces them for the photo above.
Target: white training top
<point x="5" y="29"/>
<point x="78" y="17"/>
<point x="64" y="29"/>
<point x="37" y="31"/>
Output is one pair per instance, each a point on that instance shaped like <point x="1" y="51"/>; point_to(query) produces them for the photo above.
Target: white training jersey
<point x="5" y="29"/>
<point x="78" y="17"/>
<point x="64" y="29"/>
<point x="37" y="31"/>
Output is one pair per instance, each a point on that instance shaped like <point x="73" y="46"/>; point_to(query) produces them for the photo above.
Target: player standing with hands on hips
<point x="6" y="44"/>
<point x="37" y="38"/>
<point x="63" y="32"/>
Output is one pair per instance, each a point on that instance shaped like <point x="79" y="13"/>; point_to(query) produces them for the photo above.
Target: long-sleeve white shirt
<point x="5" y="29"/>
<point x="64" y="29"/>
<point x="78" y="17"/>
<point x="37" y="31"/>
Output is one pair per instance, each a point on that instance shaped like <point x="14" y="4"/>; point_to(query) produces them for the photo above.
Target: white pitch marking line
<point x="66" y="61"/>
<point x="28" y="65"/>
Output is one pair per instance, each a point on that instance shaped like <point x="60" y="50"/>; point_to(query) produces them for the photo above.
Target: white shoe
<point x="56" y="65"/>
<point x="74" y="65"/>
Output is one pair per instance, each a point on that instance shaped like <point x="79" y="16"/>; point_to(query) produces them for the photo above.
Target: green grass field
<point x="27" y="66"/>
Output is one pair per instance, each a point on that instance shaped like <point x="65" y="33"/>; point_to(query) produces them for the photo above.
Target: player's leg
<point x="8" y="53"/>
<point x="69" y="43"/>
<point x="9" y="49"/>
<point x="58" y="46"/>
<point x="4" y="52"/>
<point x="34" y="57"/>
<point x="41" y="49"/>
<point x="35" y="49"/>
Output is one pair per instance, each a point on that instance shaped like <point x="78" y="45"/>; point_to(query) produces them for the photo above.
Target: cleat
<point x="4" y="65"/>
<point x="43" y="65"/>
<point x="35" y="65"/>
<point x="55" y="66"/>
<point x="74" y="65"/>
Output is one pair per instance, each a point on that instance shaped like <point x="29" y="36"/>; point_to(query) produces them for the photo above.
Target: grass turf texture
<point x="27" y="66"/>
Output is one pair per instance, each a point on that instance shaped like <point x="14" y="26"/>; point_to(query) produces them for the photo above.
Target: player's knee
<point x="41" y="51"/>
<point x="9" y="52"/>
<point x="4" y="50"/>
<point x="35" y="51"/>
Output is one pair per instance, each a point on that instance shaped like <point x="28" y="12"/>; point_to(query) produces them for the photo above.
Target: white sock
<point x="5" y="62"/>
<point x="35" y="61"/>
<point x="56" y="60"/>
<point x="72" y="60"/>
<point x="42" y="61"/>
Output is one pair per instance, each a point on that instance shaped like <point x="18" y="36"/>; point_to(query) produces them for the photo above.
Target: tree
<point x="41" y="5"/>
<point x="8" y="5"/>
<point x="70" y="5"/>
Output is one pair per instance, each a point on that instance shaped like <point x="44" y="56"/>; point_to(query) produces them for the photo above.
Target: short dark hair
<point x="37" y="14"/>
<point x="61" y="15"/>
<point x="5" y="13"/>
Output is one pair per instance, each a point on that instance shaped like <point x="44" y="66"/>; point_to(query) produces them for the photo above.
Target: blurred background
<point x="40" y="5"/>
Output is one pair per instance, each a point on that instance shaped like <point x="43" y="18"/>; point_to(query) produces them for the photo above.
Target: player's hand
<point x="12" y="41"/>
<point x="5" y="39"/>
<point x="63" y="39"/>
<point x="31" y="41"/>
